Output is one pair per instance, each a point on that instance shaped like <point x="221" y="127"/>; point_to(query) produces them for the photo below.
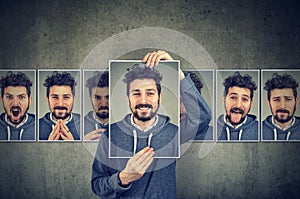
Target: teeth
<point x="144" y="108"/>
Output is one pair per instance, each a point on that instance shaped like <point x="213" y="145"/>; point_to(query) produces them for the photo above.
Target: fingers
<point x="152" y="59"/>
<point x="142" y="160"/>
<point x="54" y="135"/>
<point x="65" y="133"/>
<point x="93" y="135"/>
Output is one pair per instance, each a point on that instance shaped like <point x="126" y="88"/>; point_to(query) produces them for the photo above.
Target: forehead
<point x="239" y="91"/>
<point x="282" y="92"/>
<point x="15" y="90"/>
<point x="142" y="84"/>
<point x="60" y="90"/>
<point x="100" y="91"/>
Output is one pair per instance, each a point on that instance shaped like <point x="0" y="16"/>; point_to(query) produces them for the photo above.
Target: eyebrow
<point x="138" y="90"/>
<point x="244" y="95"/>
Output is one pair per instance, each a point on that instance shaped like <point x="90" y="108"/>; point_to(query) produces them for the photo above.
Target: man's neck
<point x="143" y="125"/>
<point x="283" y="125"/>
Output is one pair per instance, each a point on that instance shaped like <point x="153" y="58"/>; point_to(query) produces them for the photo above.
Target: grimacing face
<point x="60" y="101"/>
<point x="283" y="104"/>
<point x="16" y="103"/>
<point x="100" y="102"/>
<point x="237" y="104"/>
<point x="143" y="99"/>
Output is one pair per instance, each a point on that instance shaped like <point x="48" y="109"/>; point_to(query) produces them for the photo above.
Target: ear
<point x="223" y="99"/>
<point x="47" y="99"/>
<point x="160" y="97"/>
<point x="30" y="99"/>
<point x="296" y="101"/>
<point x="74" y="98"/>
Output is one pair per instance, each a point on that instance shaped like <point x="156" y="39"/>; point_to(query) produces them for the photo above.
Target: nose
<point x="15" y="101"/>
<point x="239" y="102"/>
<point x="60" y="101"/>
<point x="282" y="104"/>
<point x="143" y="97"/>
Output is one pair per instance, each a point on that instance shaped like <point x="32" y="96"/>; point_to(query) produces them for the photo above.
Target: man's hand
<point x="152" y="59"/>
<point x="137" y="166"/>
<point x="94" y="135"/>
<point x="54" y="135"/>
<point x="64" y="130"/>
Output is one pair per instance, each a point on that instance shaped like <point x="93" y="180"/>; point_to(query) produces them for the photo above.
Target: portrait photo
<point x="237" y="105"/>
<point x="280" y="105"/>
<point x="144" y="108"/>
<point x="18" y="99"/>
<point x="59" y="105"/>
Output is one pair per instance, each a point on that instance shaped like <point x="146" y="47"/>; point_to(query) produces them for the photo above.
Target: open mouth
<point x="15" y="111"/>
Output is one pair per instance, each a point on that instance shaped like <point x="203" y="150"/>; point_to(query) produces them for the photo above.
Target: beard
<point x="144" y="117"/>
<point x="236" y="111"/>
<point x="281" y="118"/>
<point x="21" y="118"/>
<point x="103" y="115"/>
<point x="61" y="116"/>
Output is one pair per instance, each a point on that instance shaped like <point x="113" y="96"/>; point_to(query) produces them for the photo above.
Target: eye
<point x="245" y="99"/>
<point x="150" y="93"/>
<point x="97" y="97"/>
<point x="233" y="97"/>
<point x="136" y="94"/>
<point x="22" y="97"/>
<point x="66" y="97"/>
<point x="9" y="97"/>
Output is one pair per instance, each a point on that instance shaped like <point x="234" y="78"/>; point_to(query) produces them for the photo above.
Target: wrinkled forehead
<point x="284" y="92"/>
<point x="60" y="90"/>
<point x="100" y="91"/>
<point x="15" y="90"/>
<point x="235" y="90"/>
<point x="142" y="84"/>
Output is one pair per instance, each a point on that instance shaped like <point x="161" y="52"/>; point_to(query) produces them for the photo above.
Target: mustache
<point x="143" y="106"/>
<point x="60" y="108"/>
<point x="103" y="108"/>
<point x="237" y="110"/>
<point x="282" y="111"/>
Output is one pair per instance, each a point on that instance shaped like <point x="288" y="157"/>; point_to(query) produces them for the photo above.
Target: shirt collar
<point x="148" y="127"/>
<point x="19" y="125"/>
<point x="238" y="126"/>
<point x="273" y="122"/>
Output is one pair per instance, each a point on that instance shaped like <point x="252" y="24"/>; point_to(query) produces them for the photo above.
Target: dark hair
<point x="195" y="79"/>
<point x="100" y="79"/>
<point x="142" y="72"/>
<point x="60" y="79"/>
<point x="281" y="82"/>
<point x="19" y="79"/>
<point x="240" y="81"/>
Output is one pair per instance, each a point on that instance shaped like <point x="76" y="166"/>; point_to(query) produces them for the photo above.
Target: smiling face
<point x="283" y="105"/>
<point x="16" y="103"/>
<point x="237" y="104"/>
<point x="100" y="102"/>
<point x="143" y="99"/>
<point x="60" y="101"/>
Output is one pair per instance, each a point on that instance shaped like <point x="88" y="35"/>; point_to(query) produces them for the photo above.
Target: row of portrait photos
<point x="238" y="114"/>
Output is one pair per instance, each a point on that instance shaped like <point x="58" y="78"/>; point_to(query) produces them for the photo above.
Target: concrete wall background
<point x="237" y="34"/>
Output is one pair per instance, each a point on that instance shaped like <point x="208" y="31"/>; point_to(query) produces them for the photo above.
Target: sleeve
<point x="198" y="112"/>
<point x="105" y="180"/>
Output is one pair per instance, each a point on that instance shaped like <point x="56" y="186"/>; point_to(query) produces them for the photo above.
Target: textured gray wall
<point x="252" y="34"/>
